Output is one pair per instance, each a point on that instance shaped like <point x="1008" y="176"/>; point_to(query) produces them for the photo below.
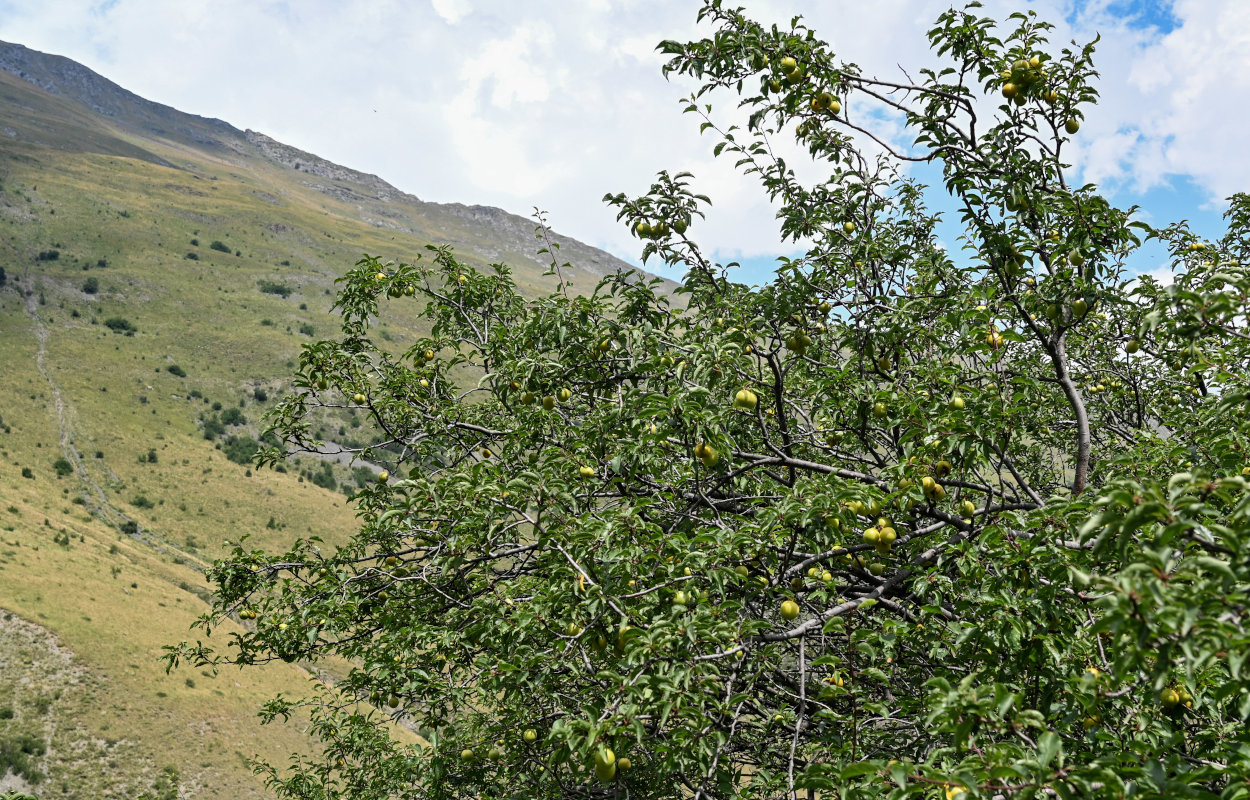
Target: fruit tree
<point x="902" y="522"/>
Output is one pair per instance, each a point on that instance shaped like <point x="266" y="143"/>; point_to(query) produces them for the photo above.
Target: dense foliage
<point x="899" y="523"/>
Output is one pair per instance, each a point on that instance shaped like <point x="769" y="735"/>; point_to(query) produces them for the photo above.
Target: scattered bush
<point x="233" y="416"/>
<point x="130" y="527"/>
<point x="274" y="287"/>
<point x="49" y="255"/>
<point x="260" y="395"/>
<point x="142" y="501"/>
<point x="174" y="369"/>
<point x="27" y="472"/>
<point x="213" y="428"/>
<point x="62" y="467"/>
<point x="220" y="247"/>
<point x="119" y="325"/>
<point x="19" y="755"/>
<point x="324" y="477"/>
<point x="91" y="285"/>
<point x="192" y="256"/>
<point x="195" y="242"/>
<point x="307" y="330"/>
<point x="240" y="449"/>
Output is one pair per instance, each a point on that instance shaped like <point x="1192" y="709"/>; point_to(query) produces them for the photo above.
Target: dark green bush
<point x="119" y="325"/>
<point x="174" y="369"/>
<point x="240" y="449"/>
<point x="91" y="285"/>
<point x="18" y="755"/>
<point x="62" y="467"/>
<point x="220" y="247"/>
<point x="274" y="287"/>
<point x="213" y="428"/>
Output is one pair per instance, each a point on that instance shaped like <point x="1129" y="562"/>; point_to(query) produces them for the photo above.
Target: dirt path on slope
<point x="97" y="501"/>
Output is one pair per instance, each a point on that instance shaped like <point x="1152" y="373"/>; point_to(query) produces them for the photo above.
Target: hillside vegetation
<point x="160" y="274"/>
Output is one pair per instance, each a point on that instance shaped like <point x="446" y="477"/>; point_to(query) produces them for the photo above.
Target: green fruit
<point x="1072" y="125"/>
<point x="530" y="736"/>
<point x="549" y="403"/>
<point x="383" y="476"/>
<point x="742" y="570"/>
<point x="360" y="399"/>
<point x="788" y="64"/>
<point x="643" y="229"/>
<point x="1170" y="698"/>
<point x="707" y="454"/>
<point x="879" y="410"/>
<point x="623" y="763"/>
<point x="1079" y="307"/>
<point x="679" y="226"/>
<point x="1132" y="347"/>
<point x="586" y="472"/>
<point x="968" y="508"/>
<point x="746" y="399"/>
<point x="956" y="403"/>
<point x="680" y="599"/>
<point x="789" y="610"/>
<point x="563" y="395"/>
<point x="605" y="765"/>
<point x="466" y="755"/>
<point x="876" y="568"/>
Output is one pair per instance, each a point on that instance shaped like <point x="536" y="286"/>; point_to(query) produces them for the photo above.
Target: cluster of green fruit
<point x="248" y="613"/>
<point x="660" y="229"/>
<point x="549" y="401"/>
<point x="881" y="536"/>
<point x="1173" y="698"/>
<point x="798" y="342"/>
<point x="1026" y="79"/>
<point x="707" y="454"/>
<point x="823" y="101"/>
<point x="790" y="71"/>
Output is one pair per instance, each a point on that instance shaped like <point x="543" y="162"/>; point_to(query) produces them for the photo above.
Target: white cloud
<point x="451" y="10"/>
<point x="555" y="104"/>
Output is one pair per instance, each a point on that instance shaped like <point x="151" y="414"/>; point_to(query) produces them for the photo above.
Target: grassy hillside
<point x="160" y="276"/>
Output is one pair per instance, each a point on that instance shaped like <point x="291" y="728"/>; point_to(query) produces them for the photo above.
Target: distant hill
<point x="161" y="272"/>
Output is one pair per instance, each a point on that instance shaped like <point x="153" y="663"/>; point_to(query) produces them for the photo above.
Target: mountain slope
<point x="160" y="274"/>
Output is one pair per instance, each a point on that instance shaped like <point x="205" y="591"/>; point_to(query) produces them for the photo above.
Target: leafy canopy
<point x="898" y="523"/>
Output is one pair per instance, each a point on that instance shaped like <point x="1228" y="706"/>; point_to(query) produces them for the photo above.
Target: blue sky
<point x="553" y="104"/>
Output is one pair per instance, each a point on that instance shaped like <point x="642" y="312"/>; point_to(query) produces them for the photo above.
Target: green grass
<point x="145" y="347"/>
<point x="114" y="720"/>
